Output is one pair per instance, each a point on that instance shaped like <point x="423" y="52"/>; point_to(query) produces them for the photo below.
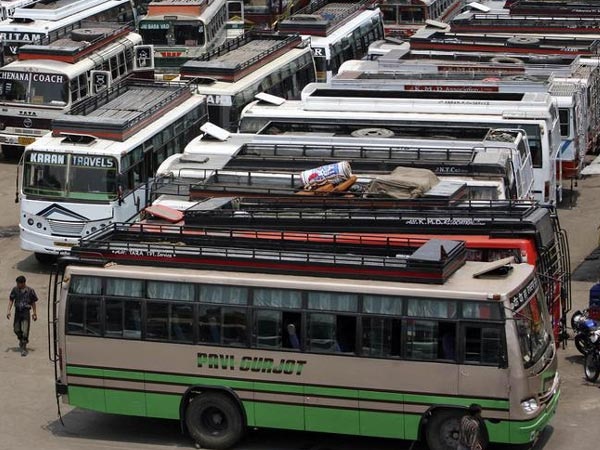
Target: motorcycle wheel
<point x="582" y="344"/>
<point x="592" y="366"/>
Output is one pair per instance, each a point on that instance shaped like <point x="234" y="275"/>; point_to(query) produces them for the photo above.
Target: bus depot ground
<point x="28" y="412"/>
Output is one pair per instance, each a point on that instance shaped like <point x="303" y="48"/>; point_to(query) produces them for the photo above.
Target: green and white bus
<point x="222" y="351"/>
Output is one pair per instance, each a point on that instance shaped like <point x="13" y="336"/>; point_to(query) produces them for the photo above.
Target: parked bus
<point x="545" y="45"/>
<point x="44" y="22"/>
<point x="372" y="109"/>
<point x="49" y="80"/>
<point x="232" y="350"/>
<point x="493" y="164"/>
<point x="8" y="7"/>
<point x="401" y="18"/>
<point x="232" y="75"/>
<point x="498" y="229"/>
<point x="181" y="31"/>
<point x="92" y="171"/>
<point x="338" y="31"/>
<point x="569" y="96"/>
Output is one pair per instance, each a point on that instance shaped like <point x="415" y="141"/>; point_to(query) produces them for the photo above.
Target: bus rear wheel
<point x="215" y="421"/>
<point x="442" y="430"/>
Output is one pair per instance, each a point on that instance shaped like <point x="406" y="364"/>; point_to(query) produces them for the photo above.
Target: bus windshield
<point x="35" y="88"/>
<point x="189" y="34"/>
<point x="532" y="327"/>
<point x="54" y="175"/>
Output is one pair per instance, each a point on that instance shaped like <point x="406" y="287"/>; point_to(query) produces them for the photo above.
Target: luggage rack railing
<point x="360" y="151"/>
<point x="282" y="41"/>
<point x="519" y="209"/>
<point x="433" y="262"/>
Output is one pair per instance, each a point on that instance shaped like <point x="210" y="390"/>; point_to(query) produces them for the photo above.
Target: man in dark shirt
<point x="24" y="298"/>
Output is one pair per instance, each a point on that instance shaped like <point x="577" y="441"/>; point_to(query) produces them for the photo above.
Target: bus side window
<point x="209" y="321"/>
<point x="482" y="344"/>
<point x="381" y="336"/>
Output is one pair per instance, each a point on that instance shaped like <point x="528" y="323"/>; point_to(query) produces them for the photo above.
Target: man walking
<point x="469" y="437"/>
<point x="24" y="298"/>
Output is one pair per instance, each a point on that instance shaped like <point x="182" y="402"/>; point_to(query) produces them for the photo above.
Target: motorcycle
<point x="592" y="359"/>
<point x="584" y="327"/>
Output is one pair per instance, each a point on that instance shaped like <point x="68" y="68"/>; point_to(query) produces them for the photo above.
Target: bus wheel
<point x="443" y="429"/>
<point x="214" y="421"/>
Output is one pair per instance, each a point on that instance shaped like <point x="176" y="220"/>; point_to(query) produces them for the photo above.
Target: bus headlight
<point x="30" y="222"/>
<point x="530" y="406"/>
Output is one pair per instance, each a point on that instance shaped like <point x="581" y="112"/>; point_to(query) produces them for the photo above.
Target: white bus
<point x="535" y="113"/>
<point x="8" y="7"/>
<point x="51" y="79"/>
<point x="570" y="97"/>
<point x="42" y="22"/>
<point x="223" y="350"/>
<point x="181" y="31"/>
<point x="93" y="171"/>
<point x="338" y="31"/>
<point x="493" y="163"/>
<point x="232" y="75"/>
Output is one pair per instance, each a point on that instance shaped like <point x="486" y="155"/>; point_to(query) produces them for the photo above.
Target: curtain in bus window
<point x="86" y="285"/>
<point x="277" y="298"/>
<point x="120" y="287"/>
<point x="232" y="295"/>
<point x="376" y="304"/>
<point x="421" y="307"/>
<point x="170" y="291"/>
<point x="332" y="301"/>
<point x="476" y="310"/>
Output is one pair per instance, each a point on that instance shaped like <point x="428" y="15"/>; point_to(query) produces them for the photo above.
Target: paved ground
<point x="28" y="418"/>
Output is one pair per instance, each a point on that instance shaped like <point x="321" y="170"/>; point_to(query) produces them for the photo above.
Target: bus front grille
<point x="66" y="228"/>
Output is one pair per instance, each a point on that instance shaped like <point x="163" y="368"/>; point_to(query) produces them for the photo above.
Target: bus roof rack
<point x="322" y="17"/>
<point x="495" y="218"/>
<point x="81" y="43"/>
<point x="123" y="109"/>
<point x="241" y="56"/>
<point x="148" y="244"/>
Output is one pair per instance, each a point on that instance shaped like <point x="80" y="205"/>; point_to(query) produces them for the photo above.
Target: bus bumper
<point x="45" y="243"/>
<point x="528" y="431"/>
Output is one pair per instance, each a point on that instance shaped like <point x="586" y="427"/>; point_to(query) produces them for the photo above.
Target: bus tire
<point x="591" y="366"/>
<point x="443" y="427"/>
<point x="214" y="421"/>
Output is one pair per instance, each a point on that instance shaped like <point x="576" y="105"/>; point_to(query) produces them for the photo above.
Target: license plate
<point x="26" y="140"/>
<point x="63" y="244"/>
